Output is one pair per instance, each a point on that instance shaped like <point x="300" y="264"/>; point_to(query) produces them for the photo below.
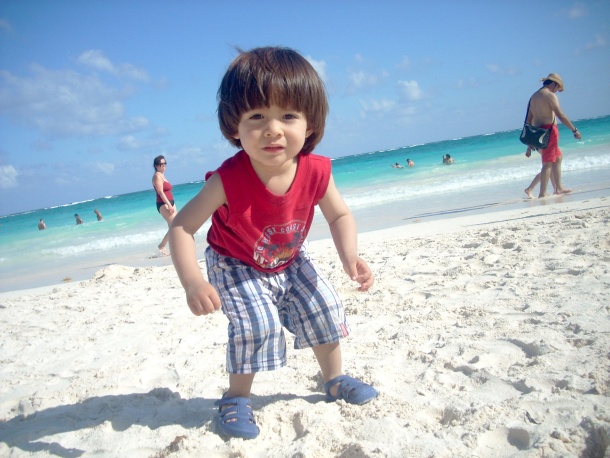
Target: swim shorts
<point x="259" y="305"/>
<point x="552" y="152"/>
<point x="160" y="204"/>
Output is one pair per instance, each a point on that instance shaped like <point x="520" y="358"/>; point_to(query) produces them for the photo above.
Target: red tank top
<point x="262" y="229"/>
<point x="167" y="190"/>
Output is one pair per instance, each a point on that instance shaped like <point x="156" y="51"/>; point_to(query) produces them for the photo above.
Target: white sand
<point x="487" y="335"/>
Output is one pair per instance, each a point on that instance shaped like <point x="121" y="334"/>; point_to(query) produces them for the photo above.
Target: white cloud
<point x="319" y="66"/>
<point x="63" y="181"/>
<point x="499" y="70"/>
<point x="363" y="76"/>
<point x="5" y="25"/>
<point x="360" y="79"/>
<point x="599" y="42"/>
<point x="377" y="106"/>
<point x="65" y="103"/>
<point x="96" y="59"/>
<point x="577" y="11"/>
<point x="8" y="176"/>
<point x="471" y="82"/>
<point x="131" y="143"/>
<point x="105" y="167"/>
<point x="198" y="159"/>
<point x="410" y="89"/>
<point x="493" y="68"/>
<point x="405" y="63"/>
<point x="408" y="110"/>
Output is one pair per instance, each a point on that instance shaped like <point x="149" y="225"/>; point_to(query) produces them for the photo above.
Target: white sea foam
<point x="107" y="243"/>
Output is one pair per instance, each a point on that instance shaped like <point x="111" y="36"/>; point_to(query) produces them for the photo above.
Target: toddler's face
<point x="273" y="135"/>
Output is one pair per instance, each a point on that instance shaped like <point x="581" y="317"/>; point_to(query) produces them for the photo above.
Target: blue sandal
<point x="350" y="390"/>
<point x="236" y="419"/>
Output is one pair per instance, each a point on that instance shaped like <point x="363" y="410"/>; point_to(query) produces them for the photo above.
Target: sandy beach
<point x="486" y="335"/>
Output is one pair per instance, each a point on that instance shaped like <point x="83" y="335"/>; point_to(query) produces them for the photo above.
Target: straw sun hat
<point x="555" y="78"/>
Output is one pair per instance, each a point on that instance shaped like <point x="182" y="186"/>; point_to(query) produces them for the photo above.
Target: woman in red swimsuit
<point x="165" y="198"/>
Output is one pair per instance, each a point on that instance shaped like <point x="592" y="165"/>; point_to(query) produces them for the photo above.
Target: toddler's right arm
<point x="201" y="297"/>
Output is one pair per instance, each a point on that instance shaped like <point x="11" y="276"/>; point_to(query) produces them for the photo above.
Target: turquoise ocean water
<point x="489" y="173"/>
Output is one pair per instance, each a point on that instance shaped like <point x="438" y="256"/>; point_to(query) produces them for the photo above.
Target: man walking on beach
<point x="544" y="106"/>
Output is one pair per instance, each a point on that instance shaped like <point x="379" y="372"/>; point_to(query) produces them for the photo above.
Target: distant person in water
<point x="410" y="163"/>
<point x="98" y="214"/>
<point x="447" y="159"/>
<point x="41" y="225"/>
<point x="397" y="166"/>
<point x="78" y="219"/>
<point x="165" y="198"/>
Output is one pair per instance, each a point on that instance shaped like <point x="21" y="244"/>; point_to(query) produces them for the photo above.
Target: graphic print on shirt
<point x="278" y="244"/>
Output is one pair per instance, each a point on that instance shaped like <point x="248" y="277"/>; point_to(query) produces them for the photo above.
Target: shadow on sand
<point x="159" y="407"/>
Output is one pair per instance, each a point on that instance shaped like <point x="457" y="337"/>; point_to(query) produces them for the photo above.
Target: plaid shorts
<point x="259" y="305"/>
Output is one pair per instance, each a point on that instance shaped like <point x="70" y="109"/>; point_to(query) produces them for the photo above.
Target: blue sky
<point x="91" y="91"/>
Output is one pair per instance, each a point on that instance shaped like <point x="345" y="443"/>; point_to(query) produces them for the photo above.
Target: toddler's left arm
<point x="343" y="229"/>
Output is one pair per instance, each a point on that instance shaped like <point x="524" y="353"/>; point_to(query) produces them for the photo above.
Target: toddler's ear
<point x="308" y="132"/>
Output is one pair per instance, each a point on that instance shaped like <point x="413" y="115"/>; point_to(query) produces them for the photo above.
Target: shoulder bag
<point x="534" y="137"/>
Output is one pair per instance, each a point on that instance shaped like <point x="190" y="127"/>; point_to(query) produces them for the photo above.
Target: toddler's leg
<point x="329" y="359"/>
<point x="240" y="385"/>
<point x="236" y="418"/>
<point x="339" y="386"/>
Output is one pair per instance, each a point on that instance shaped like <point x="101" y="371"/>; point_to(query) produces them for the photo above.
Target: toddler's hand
<point x="359" y="271"/>
<point x="202" y="298"/>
